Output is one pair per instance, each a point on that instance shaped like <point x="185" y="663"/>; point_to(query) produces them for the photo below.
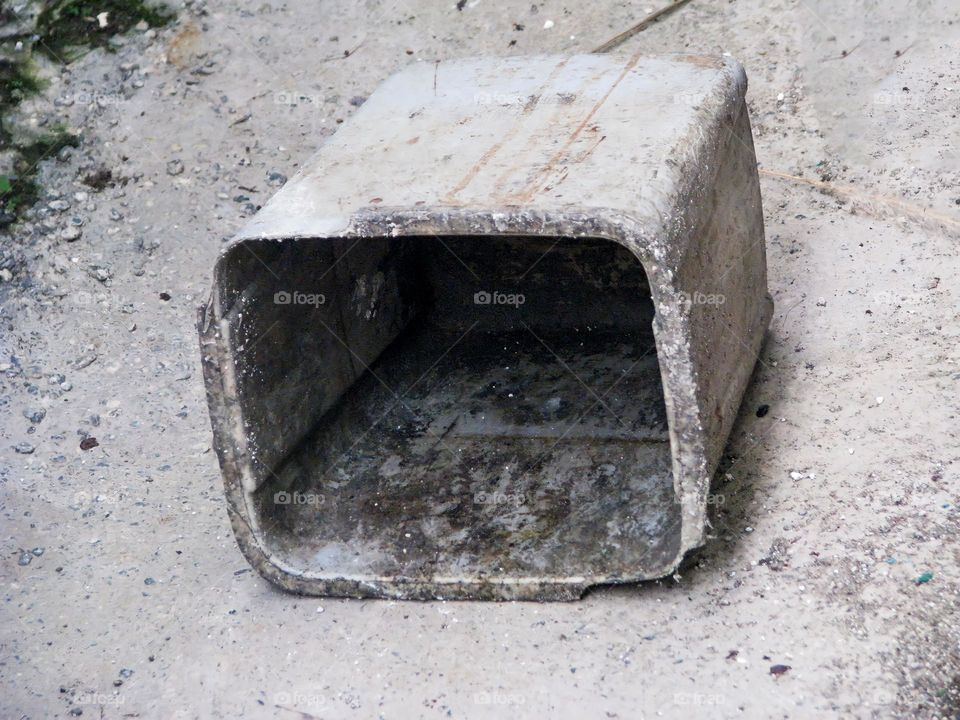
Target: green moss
<point x="17" y="82"/>
<point x="65" y="24"/>
<point x="47" y="145"/>
<point x="20" y="190"/>
<point x="62" y="29"/>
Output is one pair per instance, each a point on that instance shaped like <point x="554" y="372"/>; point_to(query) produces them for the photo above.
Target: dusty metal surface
<point x="491" y="343"/>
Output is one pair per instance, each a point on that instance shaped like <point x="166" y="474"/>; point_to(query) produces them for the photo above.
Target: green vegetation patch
<point x="62" y="30"/>
<point x="64" y="24"/>
<point x="17" y="82"/>
<point x="20" y="189"/>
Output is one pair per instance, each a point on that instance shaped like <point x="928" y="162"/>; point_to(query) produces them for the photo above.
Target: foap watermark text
<point x="496" y="297"/>
<point x="284" y="297"/>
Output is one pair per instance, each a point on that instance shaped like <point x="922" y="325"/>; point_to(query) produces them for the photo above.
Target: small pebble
<point x="35" y="415"/>
<point x="175" y="167"/>
<point x="24" y="448"/>
<point x="101" y="273"/>
<point x="71" y="234"/>
<point x="85" y="360"/>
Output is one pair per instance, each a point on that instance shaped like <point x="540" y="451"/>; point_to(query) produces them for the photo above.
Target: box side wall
<point x="723" y="288"/>
<point x="300" y="322"/>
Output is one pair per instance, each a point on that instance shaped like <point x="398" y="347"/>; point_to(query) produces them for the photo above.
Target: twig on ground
<point x="642" y="25"/>
<point x="901" y="53"/>
<point x="879" y="206"/>
<point x="843" y="53"/>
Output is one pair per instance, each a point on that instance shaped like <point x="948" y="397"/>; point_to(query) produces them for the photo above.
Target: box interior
<point x="475" y="408"/>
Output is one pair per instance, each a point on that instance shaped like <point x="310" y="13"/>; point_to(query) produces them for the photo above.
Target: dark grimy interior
<point x="473" y="408"/>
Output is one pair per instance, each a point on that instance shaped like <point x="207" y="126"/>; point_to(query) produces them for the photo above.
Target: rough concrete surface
<point x="830" y="587"/>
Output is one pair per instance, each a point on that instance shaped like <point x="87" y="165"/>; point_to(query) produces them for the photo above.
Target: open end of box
<point x="479" y="409"/>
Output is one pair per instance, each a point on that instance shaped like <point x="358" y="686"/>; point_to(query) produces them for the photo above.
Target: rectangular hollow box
<point x="491" y="341"/>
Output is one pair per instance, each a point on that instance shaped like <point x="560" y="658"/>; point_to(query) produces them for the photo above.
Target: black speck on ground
<point x="98" y="179"/>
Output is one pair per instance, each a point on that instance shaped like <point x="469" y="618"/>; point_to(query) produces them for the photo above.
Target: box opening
<point x="472" y="408"/>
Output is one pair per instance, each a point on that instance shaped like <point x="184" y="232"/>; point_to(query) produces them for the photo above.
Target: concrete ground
<point x="835" y="552"/>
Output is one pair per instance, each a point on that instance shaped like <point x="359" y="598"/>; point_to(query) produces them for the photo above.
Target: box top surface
<point x="543" y="133"/>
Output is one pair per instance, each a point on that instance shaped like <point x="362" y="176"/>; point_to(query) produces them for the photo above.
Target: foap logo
<point x="898" y="99"/>
<point x="84" y="299"/>
<point x="688" y="300"/>
<point x="486" y="98"/>
<point x="298" y="498"/>
<point x="700" y="699"/>
<point x="293" y="98"/>
<point x="691" y="99"/>
<point x="524" y="101"/>
<point x="711" y="499"/>
<point x="308" y="700"/>
<point x="308" y="111"/>
<point x="499" y="498"/>
<point x="886" y="297"/>
<point x="91" y="98"/>
<point x="498" y="298"/>
<point x="498" y="698"/>
<point x="299" y="298"/>
<point x="81" y="498"/>
<point x="97" y="698"/>
<point x="101" y="301"/>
